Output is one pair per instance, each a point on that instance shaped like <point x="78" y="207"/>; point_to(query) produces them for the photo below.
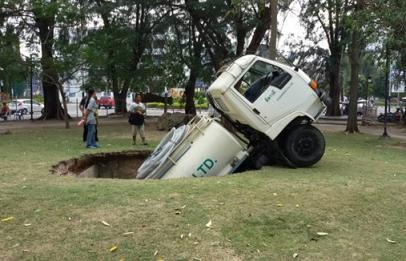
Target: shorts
<point x="138" y="129"/>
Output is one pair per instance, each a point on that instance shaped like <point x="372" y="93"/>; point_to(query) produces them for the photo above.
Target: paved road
<point x="74" y="111"/>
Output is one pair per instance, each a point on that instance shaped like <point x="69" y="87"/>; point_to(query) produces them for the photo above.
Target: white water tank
<point x="208" y="149"/>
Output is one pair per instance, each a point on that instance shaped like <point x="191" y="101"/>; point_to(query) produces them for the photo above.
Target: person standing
<point x="82" y="106"/>
<point x="136" y="119"/>
<point x="5" y="110"/>
<point x="90" y="119"/>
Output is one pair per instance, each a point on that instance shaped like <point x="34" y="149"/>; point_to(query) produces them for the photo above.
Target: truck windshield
<point x="259" y="77"/>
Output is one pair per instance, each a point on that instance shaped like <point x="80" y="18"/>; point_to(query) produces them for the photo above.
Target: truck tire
<point x="304" y="145"/>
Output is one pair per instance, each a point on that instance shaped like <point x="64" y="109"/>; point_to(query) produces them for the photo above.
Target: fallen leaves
<point x="128" y="233"/>
<point x="295" y="255"/>
<point x="322" y="233"/>
<point x="7" y="219"/>
<point x="209" y="224"/>
<point x="105" y="223"/>
<point x="27" y="224"/>
<point x="390" y="241"/>
<point x="113" y="248"/>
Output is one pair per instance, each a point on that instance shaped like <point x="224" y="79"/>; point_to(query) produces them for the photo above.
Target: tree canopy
<point x="141" y="45"/>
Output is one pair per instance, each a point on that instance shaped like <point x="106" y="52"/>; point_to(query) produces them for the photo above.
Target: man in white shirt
<point x="137" y="111"/>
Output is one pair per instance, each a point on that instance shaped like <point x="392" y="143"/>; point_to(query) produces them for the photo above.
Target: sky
<point x="289" y="24"/>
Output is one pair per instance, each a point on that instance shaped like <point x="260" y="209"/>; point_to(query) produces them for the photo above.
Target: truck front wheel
<point x="304" y="145"/>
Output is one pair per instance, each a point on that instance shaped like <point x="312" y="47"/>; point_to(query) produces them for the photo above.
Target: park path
<point x="397" y="132"/>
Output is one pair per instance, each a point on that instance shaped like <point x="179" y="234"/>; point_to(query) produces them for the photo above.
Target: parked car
<point x="361" y="105"/>
<point x="106" y="102"/>
<point x="24" y="106"/>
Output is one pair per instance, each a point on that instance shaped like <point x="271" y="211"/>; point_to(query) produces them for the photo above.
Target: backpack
<point x="136" y="119"/>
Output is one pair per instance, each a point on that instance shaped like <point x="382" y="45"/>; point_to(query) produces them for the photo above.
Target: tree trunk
<point x="352" y="124"/>
<point x="123" y="97"/>
<point x="355" y="57"/>
<point x="65" y="106"/>
<point x="50" y="79"/>
<point x="120" y="99"/>
<point x="259" y="32"/>
<point x="52" y="104"/>
<point x="274" y="29"/>
<point x="241" y="33"/>
<point x="119" y="96"/>
<point x="190" y="107"/>
<point x="334" y="81"/>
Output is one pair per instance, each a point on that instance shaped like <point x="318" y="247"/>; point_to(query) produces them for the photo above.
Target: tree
<point x="310" y="58"/>
<point x="325" y="19"/>
<point x="355" y="55"/>
<point x="38" y="21"/>
<point x="211" y="23"/>
<point x="119" y="45"/>
<point x="13" y="68"/>
<point x="45" y="19"/>
<point x="388" y="27"/>
<point x="274" y="29"/>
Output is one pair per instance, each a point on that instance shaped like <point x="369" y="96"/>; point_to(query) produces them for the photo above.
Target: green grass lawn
<point x="356" y="194"/>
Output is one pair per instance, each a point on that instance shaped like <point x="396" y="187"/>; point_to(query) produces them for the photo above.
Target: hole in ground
<point x="114" y="165"/>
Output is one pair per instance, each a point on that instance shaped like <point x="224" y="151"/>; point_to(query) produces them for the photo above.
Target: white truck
<point x="266" y="112"/>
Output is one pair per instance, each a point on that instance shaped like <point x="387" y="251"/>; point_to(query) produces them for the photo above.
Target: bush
<point x="38" y="98"/>
<point x="175" y="105"/>
<point x="201" y="100"/>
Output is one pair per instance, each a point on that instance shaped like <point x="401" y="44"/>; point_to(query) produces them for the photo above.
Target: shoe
<point x="145" y="143"/>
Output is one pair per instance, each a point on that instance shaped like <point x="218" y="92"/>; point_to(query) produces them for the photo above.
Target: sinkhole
<point x="114" y="165"/>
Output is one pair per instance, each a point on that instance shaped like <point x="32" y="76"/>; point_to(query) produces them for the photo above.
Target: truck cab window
<point x="259" y="77"/>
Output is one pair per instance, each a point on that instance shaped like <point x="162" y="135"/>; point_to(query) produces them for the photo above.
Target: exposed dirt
<point x="5" y="132"/>
<point x="400" y="145"/>
<point x="115" y="165"/>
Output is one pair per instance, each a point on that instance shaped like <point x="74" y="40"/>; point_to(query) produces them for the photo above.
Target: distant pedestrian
<point x="82" y="106"/>
<point x="136" y="119"/>
<point x="90" y="119"/>
<point x="5" y="110"/>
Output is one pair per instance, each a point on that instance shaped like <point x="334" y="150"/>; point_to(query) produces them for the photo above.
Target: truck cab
<point x="273" y="105"/>
<point x="265" y="94"/>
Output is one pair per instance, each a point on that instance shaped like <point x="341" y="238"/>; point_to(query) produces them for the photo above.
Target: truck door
<point x="261" y="85"/>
